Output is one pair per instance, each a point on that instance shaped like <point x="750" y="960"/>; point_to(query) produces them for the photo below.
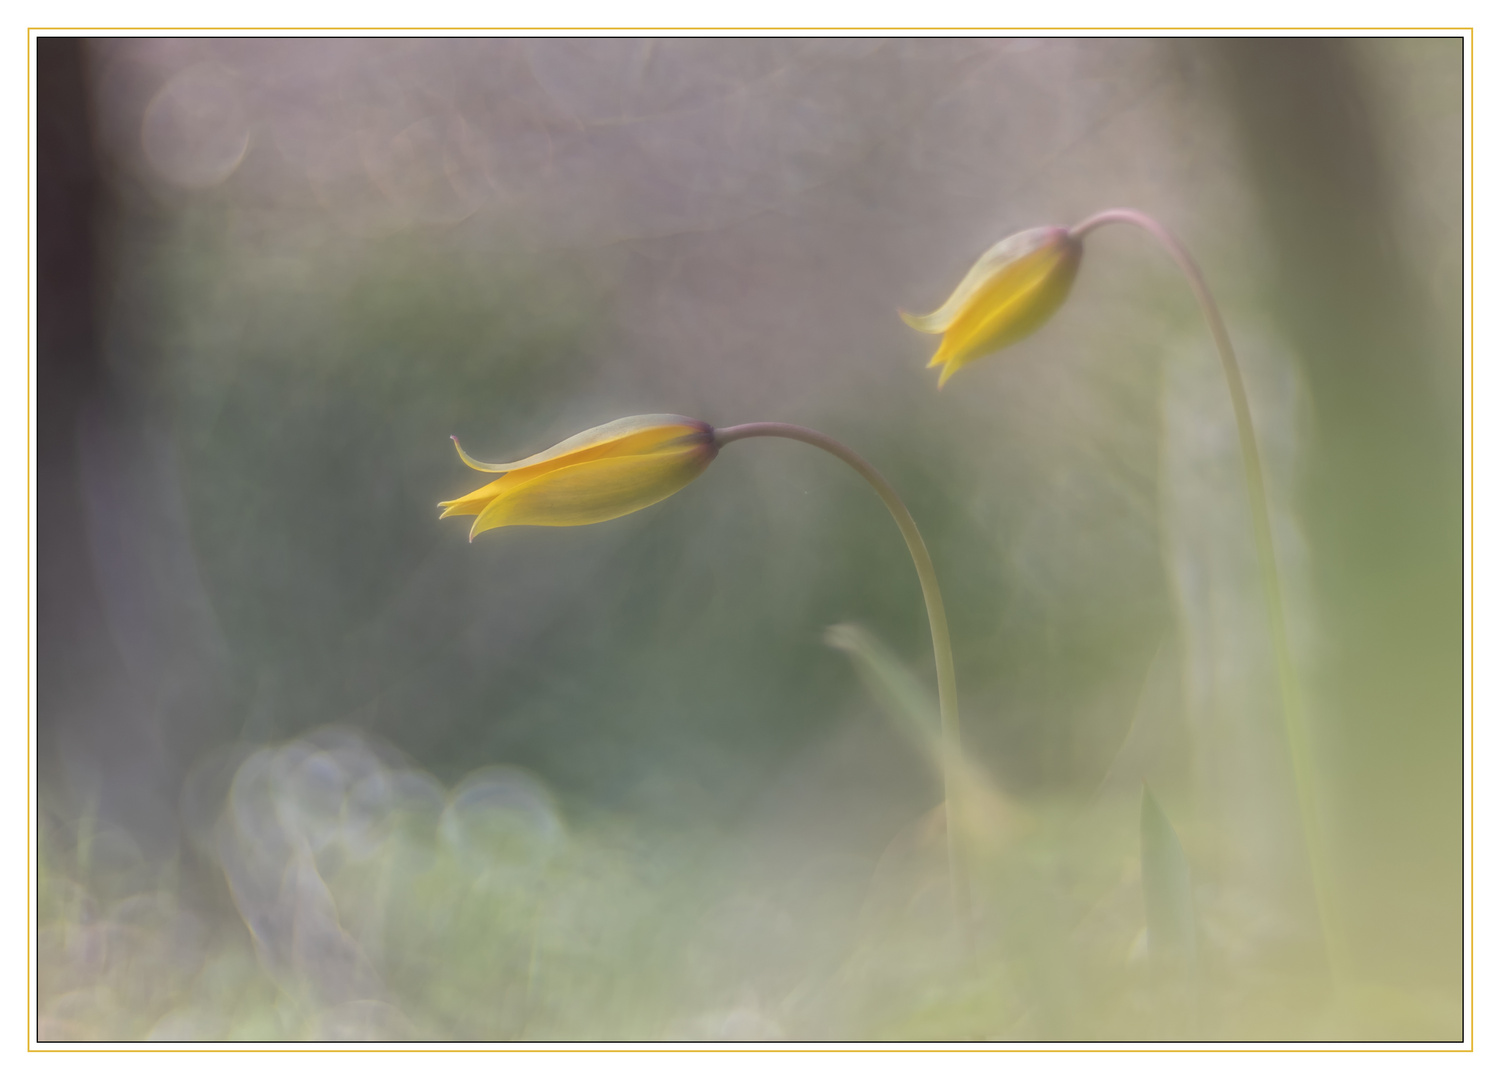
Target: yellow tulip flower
<point x="1014" y="288"/>
<point x="606" y="472"/>
<point x="621" y="467"/>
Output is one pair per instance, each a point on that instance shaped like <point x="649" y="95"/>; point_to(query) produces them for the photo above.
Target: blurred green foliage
<point x="608" y="782"/>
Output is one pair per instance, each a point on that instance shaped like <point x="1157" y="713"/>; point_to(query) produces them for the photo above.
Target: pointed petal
<point x="482" y="466"/>
<point x="928" y="324"/>
<point x="476" y="500"/>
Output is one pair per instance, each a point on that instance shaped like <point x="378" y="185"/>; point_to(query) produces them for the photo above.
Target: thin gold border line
<point x="794" y="29"/>
<point x="36" y="31"/>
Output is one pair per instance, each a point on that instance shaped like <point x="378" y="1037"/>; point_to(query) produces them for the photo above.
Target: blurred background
<point x="312" y="766"/>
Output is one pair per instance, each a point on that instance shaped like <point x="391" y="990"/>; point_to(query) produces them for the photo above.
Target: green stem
<point x="938" y="625"/>
<point x="1266" y="557"/>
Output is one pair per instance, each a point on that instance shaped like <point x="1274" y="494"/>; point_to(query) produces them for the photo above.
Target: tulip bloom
<point x="606" y="472"/>
<point x="621" y="467"/>
<point x="1014" y="288"/>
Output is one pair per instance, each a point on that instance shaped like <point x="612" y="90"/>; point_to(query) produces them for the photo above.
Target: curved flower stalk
<point x="627" y="465"/>
<point x="1013" y="290"/>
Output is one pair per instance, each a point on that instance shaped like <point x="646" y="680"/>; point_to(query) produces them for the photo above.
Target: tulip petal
<point x="599" y="474"/>
<point x="1020" y="299"/>
<point x="1009" y="250"/>
<point x="594" y="490"/>
<point x="631" y="435"/>
<point x="478" y="499"/>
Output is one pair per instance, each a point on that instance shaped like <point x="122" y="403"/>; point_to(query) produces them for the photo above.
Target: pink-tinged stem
<point x="938" y="625"/>
<point x="1266" y="557"/>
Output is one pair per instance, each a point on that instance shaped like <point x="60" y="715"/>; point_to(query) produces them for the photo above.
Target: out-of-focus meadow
<point x="312" y="766"/>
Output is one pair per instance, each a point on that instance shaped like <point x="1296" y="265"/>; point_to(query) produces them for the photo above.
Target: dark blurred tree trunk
<point x="89" y="725"/>
<point x="1384" y="501"/>
<point x="70" y="638"/>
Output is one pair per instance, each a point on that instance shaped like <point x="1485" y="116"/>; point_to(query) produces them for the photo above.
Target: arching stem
<point x="1266" y="557"/>
<point x="938" y="625"/>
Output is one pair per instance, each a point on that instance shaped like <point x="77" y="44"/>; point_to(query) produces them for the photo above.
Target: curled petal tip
<point x="917" y="322"/>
